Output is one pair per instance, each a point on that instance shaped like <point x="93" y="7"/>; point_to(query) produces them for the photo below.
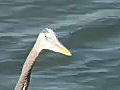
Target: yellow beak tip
<point x="67" y="54"/>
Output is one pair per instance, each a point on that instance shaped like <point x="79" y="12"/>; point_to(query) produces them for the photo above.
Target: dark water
<point x="89" y="28"/>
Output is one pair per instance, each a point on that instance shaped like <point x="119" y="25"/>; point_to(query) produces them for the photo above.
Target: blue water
<point x="89" y="28"/>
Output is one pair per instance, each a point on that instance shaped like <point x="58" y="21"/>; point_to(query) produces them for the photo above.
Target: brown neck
<point x="24" y="79"/>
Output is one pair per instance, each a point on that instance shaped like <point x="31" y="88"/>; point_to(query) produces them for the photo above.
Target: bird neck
<point x="24" y="79"/>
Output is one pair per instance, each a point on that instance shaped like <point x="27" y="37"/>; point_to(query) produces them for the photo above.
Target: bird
<point x="45" y="40"/>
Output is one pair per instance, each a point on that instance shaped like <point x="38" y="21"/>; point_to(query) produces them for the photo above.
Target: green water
<point x="89" y="28"/>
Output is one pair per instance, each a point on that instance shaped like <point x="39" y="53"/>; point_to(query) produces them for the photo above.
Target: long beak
<point x="62" y="49"/>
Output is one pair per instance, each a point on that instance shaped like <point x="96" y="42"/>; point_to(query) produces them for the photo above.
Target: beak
<point x="65" y="51"/>
<point x="62" y="49"/>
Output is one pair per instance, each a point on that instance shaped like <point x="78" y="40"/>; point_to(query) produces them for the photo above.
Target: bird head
<point x="48" y="40"/>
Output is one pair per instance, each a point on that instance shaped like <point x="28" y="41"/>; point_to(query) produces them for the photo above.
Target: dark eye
<point x="45" y="36"/>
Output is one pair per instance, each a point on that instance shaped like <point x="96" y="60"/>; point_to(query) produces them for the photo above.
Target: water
<point x="89" y="28"/>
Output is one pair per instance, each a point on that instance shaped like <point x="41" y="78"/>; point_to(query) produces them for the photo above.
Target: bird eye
<point x="45" y="36"/>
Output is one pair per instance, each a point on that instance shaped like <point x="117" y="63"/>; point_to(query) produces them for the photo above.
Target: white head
<point x="49" y="41"/>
